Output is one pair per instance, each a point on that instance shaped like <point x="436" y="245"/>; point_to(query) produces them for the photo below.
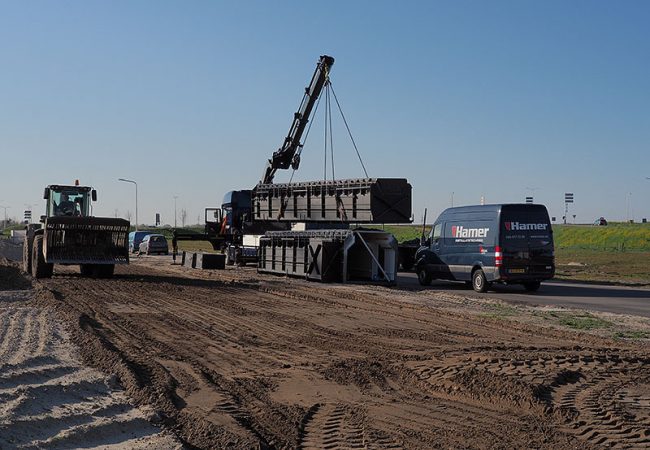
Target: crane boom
<point x="288" y="154"/>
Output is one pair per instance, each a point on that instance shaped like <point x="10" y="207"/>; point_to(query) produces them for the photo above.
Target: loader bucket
<point x="86" y="240"/>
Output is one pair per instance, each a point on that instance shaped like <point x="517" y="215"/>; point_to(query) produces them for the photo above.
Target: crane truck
<point x="69" y="235"/>
<point x="303" y="228"/>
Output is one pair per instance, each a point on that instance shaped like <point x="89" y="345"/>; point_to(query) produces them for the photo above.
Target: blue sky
<point x="191" y="98"/>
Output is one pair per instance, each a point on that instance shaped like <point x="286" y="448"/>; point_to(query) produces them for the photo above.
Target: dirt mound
<point x="364" y="373"/>
<point x="487" y="386"/>
<point x="11" y="277"/>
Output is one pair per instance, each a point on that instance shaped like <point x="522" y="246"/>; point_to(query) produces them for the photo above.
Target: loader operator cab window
<point x="68" y="203"/>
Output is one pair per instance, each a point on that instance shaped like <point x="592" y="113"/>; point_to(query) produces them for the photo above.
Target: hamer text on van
<point x="516" y="226"/>
<point x="459" y="231"/>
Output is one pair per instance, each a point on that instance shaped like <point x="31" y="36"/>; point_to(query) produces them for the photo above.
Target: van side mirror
<point x="46" y="194"/>
<point x="93" y="195"/>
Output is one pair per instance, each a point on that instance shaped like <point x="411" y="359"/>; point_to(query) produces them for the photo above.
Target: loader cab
<point x="72" y="201"/>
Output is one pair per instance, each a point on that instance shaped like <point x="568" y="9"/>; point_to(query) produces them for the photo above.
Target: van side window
<point x="437" y="231"/>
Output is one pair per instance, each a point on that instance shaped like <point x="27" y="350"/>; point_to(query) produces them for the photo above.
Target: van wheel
<point x="479" y="282"/>
<point x="424" y="276"/>
<point x="532" y="286"/>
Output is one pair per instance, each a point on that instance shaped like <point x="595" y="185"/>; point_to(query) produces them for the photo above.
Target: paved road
<point x="614" y="299"/>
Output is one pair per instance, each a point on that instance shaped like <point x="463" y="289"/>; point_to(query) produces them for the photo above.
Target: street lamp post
<point x="136" y="199"/>
<point x="175" y="197"/>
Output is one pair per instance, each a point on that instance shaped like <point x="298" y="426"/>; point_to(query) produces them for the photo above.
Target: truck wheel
<point x="532" y="286"/>
<point x="27" y="256"/>
<point x="424" y="276"/>
<point x="479" y="282"/>
<point x="104" y="270"/>
<point x="40" y="269"/>
<point x="86" y="270"/>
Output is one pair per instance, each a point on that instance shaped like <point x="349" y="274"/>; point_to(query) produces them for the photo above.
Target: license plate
<point x="517" y="270"/>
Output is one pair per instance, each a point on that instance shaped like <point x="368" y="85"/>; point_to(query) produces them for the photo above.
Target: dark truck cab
<point x="485" y="244"/>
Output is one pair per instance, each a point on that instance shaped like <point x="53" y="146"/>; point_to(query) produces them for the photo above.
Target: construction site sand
<point x="232" y="359"/>
<point x="49" y="399"/>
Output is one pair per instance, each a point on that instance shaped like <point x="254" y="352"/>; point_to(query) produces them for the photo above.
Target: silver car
<point x="154" y="243"/>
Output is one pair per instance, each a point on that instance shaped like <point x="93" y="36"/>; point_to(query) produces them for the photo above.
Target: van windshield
<point x="526" y="226"/>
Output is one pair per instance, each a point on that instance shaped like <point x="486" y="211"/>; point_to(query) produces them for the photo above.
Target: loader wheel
<point x="86" y="270"/>
<point x="40" y="269"/>
<point x="104" y="270"/>
<point x="479" y="282"/>
<point x="27" y="256"/>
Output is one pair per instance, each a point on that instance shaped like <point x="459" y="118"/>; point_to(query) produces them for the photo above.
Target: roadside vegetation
<point x="612" y="326"/>
<point x="618" y="252"/>
<point x="615" y="237"/>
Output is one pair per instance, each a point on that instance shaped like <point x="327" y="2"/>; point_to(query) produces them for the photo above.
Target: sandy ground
<point x="50" y="399"/>
<point x="232" y="359"/>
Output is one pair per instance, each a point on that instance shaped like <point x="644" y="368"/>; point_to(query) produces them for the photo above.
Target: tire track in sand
<point x="592" y="390"/>
<point x="339" y="426"/>
<point x="49" y="399"/>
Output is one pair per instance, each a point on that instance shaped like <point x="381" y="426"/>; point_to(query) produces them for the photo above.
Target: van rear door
<point x="526" y="242"/>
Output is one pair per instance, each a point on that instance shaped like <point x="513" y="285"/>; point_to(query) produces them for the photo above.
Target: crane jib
<point x="283" y="158"/>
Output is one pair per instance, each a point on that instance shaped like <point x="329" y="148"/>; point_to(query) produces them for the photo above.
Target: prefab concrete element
<point x="188" y="260"/>
<point x="330" y="255"/>
<point x="366" y="200"/>
<point x="210" y="261"/>
<point x="205" y="261"/>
